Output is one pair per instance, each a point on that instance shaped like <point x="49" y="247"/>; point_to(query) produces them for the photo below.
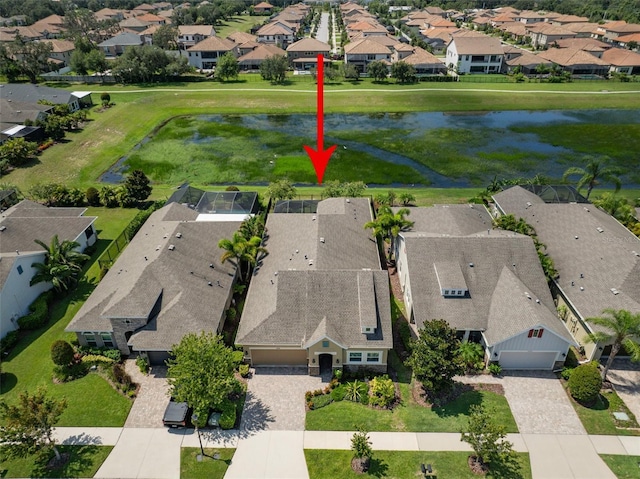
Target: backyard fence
<point x="107" y="258"/>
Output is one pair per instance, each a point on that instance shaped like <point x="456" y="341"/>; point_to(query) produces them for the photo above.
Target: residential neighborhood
<point x="242" y="239"/>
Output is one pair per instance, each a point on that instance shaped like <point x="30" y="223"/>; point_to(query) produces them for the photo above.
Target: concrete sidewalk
<point x="154" y="453"/>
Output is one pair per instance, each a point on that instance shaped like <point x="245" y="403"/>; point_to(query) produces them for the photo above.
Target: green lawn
<point x="599" y="419"/>
<point x="409" y="416"/>
<point x="92" y="401"/>
<point x="331" y="464"/>
<point x="624" y="467"/>
<point x="84" y="462"/>
<point x="209" y="468"/>
<point x="238" y="23"/>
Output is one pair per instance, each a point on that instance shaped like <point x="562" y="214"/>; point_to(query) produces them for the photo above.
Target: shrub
<point x="355" y="390"/>
<point x="237" y="357"/>
<point x="108" y="353"/>
<point x="39" y="314"/>
<point x="338" y="393"/>
<point x="321" y="401"/>
<point x="566" y="373"/>
<point x="232" y="188"/>
<point x="585" y="383"/>
<point x="495" y="369"/>
<point x="143" y="364"/>
<point x="61" y="353"/>
<point x="228" y="416"/>
<point x="405" y="335"/>
<point x="70" y="372"/>
<point x="105" y="97"/>
<point x="140" y="218"/>
<point x="243" y="369"/>
<point x="9" y="341"/>
<point x="93" y="197"/>
<point x="382" y="391"/>
<point x="337" y="373"/>
<point x="97" y="360"/>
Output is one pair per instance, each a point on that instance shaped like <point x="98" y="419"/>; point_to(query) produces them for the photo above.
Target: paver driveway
<point x="153" y="396"/>
<point x="275" y="399"/>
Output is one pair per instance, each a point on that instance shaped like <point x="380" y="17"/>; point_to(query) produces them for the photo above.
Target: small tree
<point x="201" y="372"/>
<point x="585" y="383"/>
<point x="378" y="70"/>
<point x="274" y="68"/>
<point x="403" y="72"/>
<point x="281" y="190"/>
<point x="227" y="67"/>
<point x="18" y="151"/>
<point x="137" y="185"/>
<point x="486" y="438"/>
<point x="27" y="427"/>
<point x="61" y="353"/>
<point x="362" y="452"/>
<point x="105" y="98"/>
<point x="93" y="197"/>
<point x="471" y="355"/>
<point x="435" y="359"/>
<point x="406" y="199"/>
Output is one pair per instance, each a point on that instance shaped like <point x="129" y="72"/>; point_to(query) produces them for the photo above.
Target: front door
<point x="326" y="361"/>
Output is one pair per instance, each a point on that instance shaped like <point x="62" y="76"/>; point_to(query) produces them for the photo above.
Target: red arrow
<point x="320" y="156"/>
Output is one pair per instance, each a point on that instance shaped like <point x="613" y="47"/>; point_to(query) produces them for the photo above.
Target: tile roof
<point x="311" y="272"/>
<point x="633" y="37"/>
<point x="241" y="37"/>
<point x="586" y="44"/>
<point x="621" y="58"/>
<point x="309" y="45"/>
<point x="196" y="30"/>
<point x="277" y="28"/>
<point x="483" y="45"/>
<point x="581" y="27"/>
<point x="571" y="56"/>
<point x="213" y="44"/>
<point x="366" y="46"/>
<point x="584" y="256"/>
<point x="260" y="53"/>
<point x="422" y="57"/>
<point x="60" y="46"/>
<point x="193" y="294"/>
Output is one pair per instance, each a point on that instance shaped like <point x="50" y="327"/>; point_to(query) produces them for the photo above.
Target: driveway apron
<point x="625" y="377"/>
<point x="153" y="396"/>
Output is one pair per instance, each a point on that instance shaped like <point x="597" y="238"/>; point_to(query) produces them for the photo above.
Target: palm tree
<point x="388" y="225"/>
<point x="62" y="264"/>
<point x="592" y="174"/>
<point x="253" y="226"/>
<point x="241" y="251"/>
<point x="619" y="208"/>
<point x="624" y="327"/>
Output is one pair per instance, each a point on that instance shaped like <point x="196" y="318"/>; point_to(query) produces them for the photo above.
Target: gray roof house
<point x="20" y="225"/>
<point x="487" y="284"/>
<point x="597" y="258"/>
<point x="30" y="93"/>
<point x="117" y="44"/>
<point x="319" y="298"/>
<point x="168" y="282"/>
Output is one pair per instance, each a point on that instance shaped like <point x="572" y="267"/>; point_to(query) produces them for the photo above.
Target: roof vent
<point x="313" y="218"/>
<point x="615" y="291"/>
<point x="172" y="247"/>
<point x="210" y="283"/>
<point x="600" y="230"/>
<point x="158" y="248"/>
<point x="538" y="301"/>
<point x="310" y="262"/>
<point x="529" y="204"/>
<point x="178" y="235"/>
<point x="581" y="288"/>
<point x="165" y="236"/>
<point x="322" y="239"/>
<point x="582" y="275"/>
<point x="348" y="200"/>
<point x="586" y="209"/>
<point x="470" y="265"/>
<point x="576" y="236"/>
<point x="527" y="295"/>
<point x="3" y="227"/>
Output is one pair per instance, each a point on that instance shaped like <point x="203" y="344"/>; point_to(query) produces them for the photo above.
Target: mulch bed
<point x="479" y="468"/>
<point x="421" y="397"/>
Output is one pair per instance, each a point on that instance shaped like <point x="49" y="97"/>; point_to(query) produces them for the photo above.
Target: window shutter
<point x="540" y="333"/>
<point x="530" y="333"/>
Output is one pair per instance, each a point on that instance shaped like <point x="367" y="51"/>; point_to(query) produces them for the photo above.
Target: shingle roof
<point x="17" y="112"/>
<point x="314" y="259"/>
<point x="193" y="293"/>
<point x="596" y="261"/>
<point x="122" y="39"/>
<point x="30" y="93"/>
<point x="450" y="220"/>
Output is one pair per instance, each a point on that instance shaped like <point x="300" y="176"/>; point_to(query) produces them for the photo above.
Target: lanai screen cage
<point x="216" y="202"/>
<point x="556" y="193"/>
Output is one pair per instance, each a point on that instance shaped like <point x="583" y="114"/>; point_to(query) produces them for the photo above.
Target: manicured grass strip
<point x="409" y="416"/>
<point x="331" y="464"/>
<point x="91" y="400"/>
<point x="624" y="467"/>
<point x="599" y="419"/>
<point x="240" y="23"/>
<point x="209" y="468"/>
<point x="84" y="462"/>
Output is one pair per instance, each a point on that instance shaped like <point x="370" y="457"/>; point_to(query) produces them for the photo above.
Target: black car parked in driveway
<point x="177" y="414"/>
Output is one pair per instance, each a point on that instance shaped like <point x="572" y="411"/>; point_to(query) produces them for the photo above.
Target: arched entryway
<point x="326" y="364"/>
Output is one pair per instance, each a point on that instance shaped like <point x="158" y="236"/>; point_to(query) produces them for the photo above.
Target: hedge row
<point x="39" y="314"/>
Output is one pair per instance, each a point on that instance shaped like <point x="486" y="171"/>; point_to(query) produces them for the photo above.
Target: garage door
<point x="278" y="357"/>
<point x="527" y="360"/>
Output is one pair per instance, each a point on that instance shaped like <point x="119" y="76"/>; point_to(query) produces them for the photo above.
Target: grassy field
<point x="208" y="468"/>
<point x="331" y="464"/>
<point x="113" y="133"/>
<point x="92" y="401"/>
<point x="239" y="23"/>
<point x="408" y="415"/>
<point x="599" y="419"/>
<point x="84" y="462"/>
<point x="624" y="467"/>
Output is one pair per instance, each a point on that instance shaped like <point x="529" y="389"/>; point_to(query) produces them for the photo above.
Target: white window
<point x="373" y="357"/>
<point x="355" y="357"/>
<point x="107" y="340"/>
<point x="90" y="338"/>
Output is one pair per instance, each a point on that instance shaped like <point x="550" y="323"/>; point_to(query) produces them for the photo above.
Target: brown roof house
<point x="276" y="33"/>
<point x="575" y="61"/>
<point x="320" y="298"/>
<point x="598" y="259"/>
<point x="475" y="55"/>
<point x="20" y="225"/>
<point x="622" y="61"/>
<point x="424" y="62"/>
<point x="303" y="54"/>
<point x="544" y="35"/>
<point x="365" y="51"/>
<point x="253" y="58"/>
<point x="263" y="7"/>
<point x="168" y="282"/>
<point x="189" y="35"/>
<point x="487" y="284"/>
<point x="204" y="55"/>
<point x="61" y="51"/>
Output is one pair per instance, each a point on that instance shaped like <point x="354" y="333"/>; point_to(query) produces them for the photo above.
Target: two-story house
<point x="303" y="54"/>
<point x="475" y="55"/>
<point x="205" y="54"/>
<point x="365" y="51"/>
